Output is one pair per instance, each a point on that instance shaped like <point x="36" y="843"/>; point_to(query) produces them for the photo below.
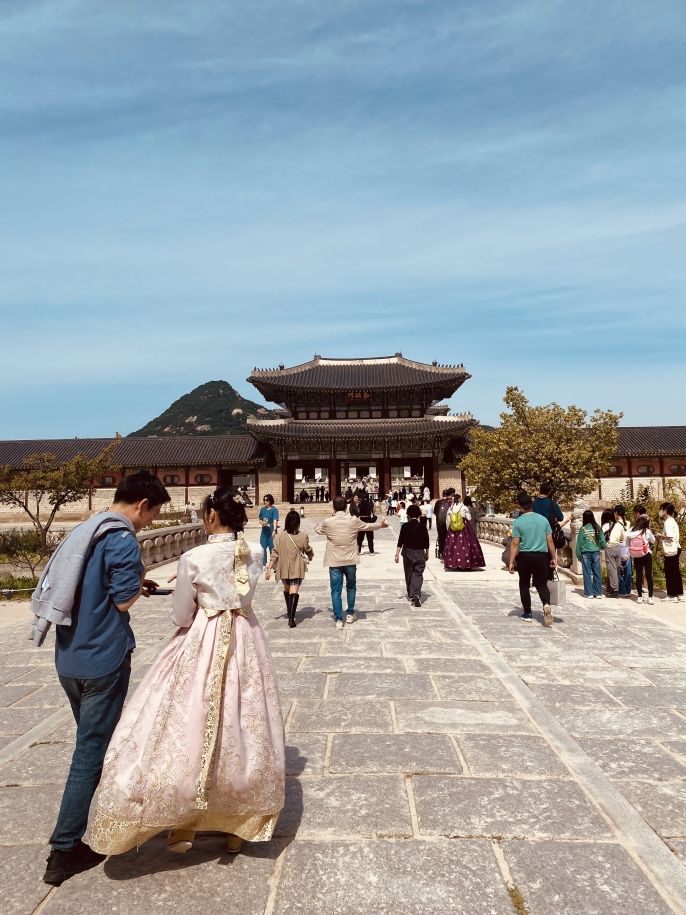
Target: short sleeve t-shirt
<point x="271" y="515"/>
<point x="100" y="636"/>
<point x="532" y="530"/>
<point x="548" y="508"/>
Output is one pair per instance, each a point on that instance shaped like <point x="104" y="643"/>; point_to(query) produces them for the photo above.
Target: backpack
<point x="456" y="522"/>
<point x="638" y="546"/>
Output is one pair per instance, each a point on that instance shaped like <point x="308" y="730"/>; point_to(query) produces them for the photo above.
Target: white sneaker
<point x="597" y="597"/>
<point x="350" y="618"/>
<point x="680" y="598"/>
<point x="339" y="624"/>
<point x="650" y="600"/>
<point x="547" y="615"/>
<point x="669" y="600"/>
<point x="639" y="600"/>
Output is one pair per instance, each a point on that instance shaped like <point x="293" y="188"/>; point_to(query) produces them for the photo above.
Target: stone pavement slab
<point x="505" y="807"/>
<point x="408" y="754"/>
<point x="456" y="717"/>
<point x="389" y="878"/>
<point x="561" y="878"/>
<point x="524" y="755"/>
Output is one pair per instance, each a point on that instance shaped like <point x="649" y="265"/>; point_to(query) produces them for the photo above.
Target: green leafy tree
<point x="563" y="446"/>
<point x="43" y="486"/>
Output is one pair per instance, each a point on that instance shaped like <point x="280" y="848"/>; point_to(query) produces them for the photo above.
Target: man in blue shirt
<point x="534" y="550"/>
<point x="93" y="661"/>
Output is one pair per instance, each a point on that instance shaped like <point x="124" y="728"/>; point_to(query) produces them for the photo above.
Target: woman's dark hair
<point x="292" y="522"/>
<point x="640" y="510"/>
<point x="607" y="517"/>
<point x="668" y="507"/>
<point x="467" y="501"/>
<point x="642" y="523"/>
<point x="545" y="489"/>
<point x="589" y="518"/>
<point x="269" y="497"/>
<point x="621" y="511"/>
<point x="414" y="511"/>
<point x="230" y="512"/>
<point x="139" y="486"/>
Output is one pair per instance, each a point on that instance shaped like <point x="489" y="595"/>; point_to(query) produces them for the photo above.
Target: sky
<point x="189" y="190"/>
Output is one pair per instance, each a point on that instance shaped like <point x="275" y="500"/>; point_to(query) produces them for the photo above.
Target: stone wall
<point x="270" y="482"/>
<point x="168" y="543"/>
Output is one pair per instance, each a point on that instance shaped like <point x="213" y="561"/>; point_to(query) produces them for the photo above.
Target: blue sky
<point x="192" y="189"/>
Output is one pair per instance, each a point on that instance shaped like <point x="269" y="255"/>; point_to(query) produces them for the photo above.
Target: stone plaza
<point x="446" y="759"/>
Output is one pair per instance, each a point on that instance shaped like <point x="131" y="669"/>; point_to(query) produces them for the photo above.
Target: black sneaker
<point x="416" y="601"/>
<point x="65" y="864"/>
<point x="527" y="616"/>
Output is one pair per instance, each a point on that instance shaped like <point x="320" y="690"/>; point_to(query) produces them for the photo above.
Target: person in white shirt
<point x="671" y="545"/>
<point x="615" y="534"/>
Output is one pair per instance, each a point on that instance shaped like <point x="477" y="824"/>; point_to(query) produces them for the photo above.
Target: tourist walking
<point x="289" y="559"/>
<point x="367" y="515"/>
<point x="427" y="514"/>
<point x="354" y="506"/>
<point x="268" y="517"/>
<point x="590" y="542"/>
<point x="413" y="543"/>
<point x="615" y="535"/>
<point x="200" y="746"/>
<point x="671" y="546"/>
<point x="534" y="553"/>
<point x="544" y="504"/>
<point x="342" y="557"/>
<point x="87" y="588"/>
<point x="640" y="540"/>
<point x="462" y="551"/>
<point x="402" y="513"/>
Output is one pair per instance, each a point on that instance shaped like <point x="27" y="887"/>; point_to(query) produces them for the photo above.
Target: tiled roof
<point x="176" y="450"/>
<point x="385" y="372"/>
<point x="648" y="441"/>
<point x="344" y="429"/>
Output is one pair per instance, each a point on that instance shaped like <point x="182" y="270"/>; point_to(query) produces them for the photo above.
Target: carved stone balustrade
<point x="162" y="545"/>
<point x="496" y="528"/>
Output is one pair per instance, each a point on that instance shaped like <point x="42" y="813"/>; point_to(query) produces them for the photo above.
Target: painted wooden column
<point x="284" y="477"/>
<point x="186" y="480"/>
<point x="435" y="481"/>
<point x="257" y="483"/>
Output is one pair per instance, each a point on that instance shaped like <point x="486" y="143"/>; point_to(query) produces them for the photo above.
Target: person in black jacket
<point x="413" y="541"/>
<point x="441" y="509"/>
<point x="367" y="515"/>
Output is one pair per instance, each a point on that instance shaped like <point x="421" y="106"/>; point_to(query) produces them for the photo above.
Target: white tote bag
<point x="558" y="592"/>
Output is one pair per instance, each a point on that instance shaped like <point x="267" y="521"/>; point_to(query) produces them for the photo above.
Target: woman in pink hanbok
<point x="200" y="745"/>
<point x="462" y="550"/>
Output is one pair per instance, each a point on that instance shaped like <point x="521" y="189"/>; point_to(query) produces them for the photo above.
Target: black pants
<point x="442" y="533"/>
<point x="641" y="564"/>
<point x="414" y="563"/>
<point x="675" y="586"/>
<point x="533" y="565"/>
<point x="370" y="540"/>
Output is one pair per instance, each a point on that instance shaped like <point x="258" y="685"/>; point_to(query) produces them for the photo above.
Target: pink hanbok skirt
<point x="462" y="550"/>
<point x="200" y="744"/>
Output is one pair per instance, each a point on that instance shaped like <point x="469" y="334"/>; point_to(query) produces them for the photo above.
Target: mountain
<point x="207" y="410"/>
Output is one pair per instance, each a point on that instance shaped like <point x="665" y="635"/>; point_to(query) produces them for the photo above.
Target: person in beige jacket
<point x="288" y="562"/>
<point x="342" y="557"/>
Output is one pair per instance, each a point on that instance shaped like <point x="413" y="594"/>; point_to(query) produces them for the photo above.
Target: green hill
<point x="207" y="410"/>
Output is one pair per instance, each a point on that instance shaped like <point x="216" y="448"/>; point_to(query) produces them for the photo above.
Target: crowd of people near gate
<point x="212" y="690"/>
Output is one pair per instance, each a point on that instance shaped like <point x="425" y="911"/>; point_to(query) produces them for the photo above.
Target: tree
<point x="562" y="446"/>
<point x="43" y="485"/>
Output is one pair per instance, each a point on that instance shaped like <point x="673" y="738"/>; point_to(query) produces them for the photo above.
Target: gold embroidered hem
<point x="114" y="837"/>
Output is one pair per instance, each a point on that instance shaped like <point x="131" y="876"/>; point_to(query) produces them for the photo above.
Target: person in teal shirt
<point x="534" y="552"/>
<point x="269" y="519"/>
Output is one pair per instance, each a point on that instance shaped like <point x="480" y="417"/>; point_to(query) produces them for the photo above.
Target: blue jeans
<point x="97" y="705"/>
<point x="336" y="575"/>
<point x="625" y="576"/>
<point x="266" y="542"/>
<point x="593" y="582"/>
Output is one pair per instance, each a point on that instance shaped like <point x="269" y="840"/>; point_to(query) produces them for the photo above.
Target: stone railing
<point x="496" y="528"/>
<point x="168" y="543"/>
